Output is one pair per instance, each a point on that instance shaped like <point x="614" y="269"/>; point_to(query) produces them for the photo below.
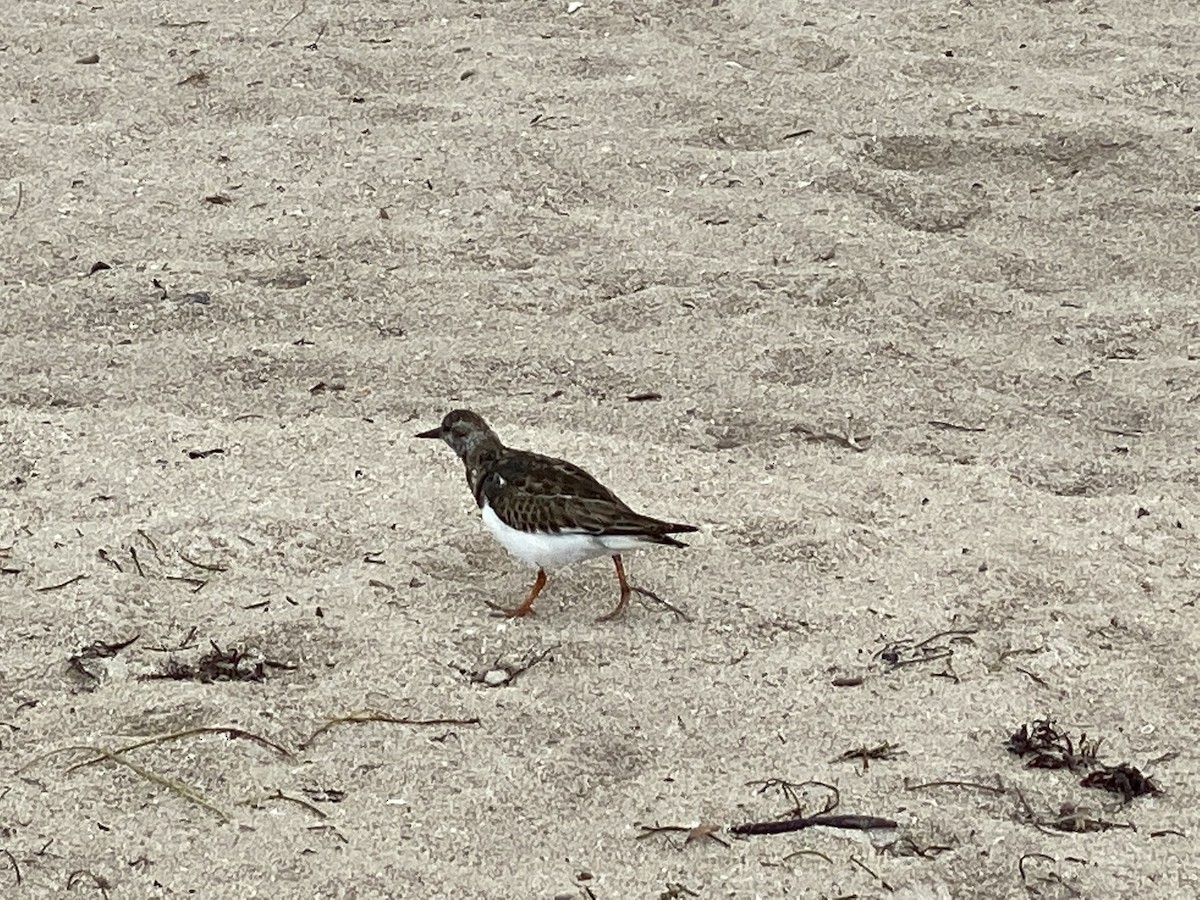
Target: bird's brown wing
<point x="539" y="493"/>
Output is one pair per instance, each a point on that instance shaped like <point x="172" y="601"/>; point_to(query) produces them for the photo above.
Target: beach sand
<point x="896" y="302"/>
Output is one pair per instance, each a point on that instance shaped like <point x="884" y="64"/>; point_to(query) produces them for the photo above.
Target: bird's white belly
<point x="547" y="551"/>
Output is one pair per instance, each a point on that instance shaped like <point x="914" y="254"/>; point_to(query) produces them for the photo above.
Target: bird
<point x="548" y="512"/>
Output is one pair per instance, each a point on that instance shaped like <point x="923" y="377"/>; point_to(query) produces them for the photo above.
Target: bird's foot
<point x="510" y="612"/>
<point x="617" y="613"/>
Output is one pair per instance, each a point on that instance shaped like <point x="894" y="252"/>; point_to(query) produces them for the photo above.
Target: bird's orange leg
<point x="627" y="589"/>
<point x="619" y="610"/>
<point x="526" y="607"/>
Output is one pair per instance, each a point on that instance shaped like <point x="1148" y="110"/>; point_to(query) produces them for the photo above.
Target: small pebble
<point x="495" y="678"/>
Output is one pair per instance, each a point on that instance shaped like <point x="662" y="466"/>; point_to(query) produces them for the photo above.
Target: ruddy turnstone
<point x="547" y="512"/>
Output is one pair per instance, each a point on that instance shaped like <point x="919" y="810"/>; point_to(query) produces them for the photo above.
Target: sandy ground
<point x="973" y="227"/>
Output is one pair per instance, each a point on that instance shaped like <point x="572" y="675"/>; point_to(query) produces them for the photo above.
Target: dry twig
<point x="185" y="791"/>
<point x="360" y="716"/>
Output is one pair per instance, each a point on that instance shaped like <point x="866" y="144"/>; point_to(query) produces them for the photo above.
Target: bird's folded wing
<point x="544" y="494"/>
<point x="564" y="514"/>
<point x="544" y="476"/>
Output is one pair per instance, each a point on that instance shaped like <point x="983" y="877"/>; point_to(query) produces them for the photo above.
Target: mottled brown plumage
<point x="540" y="493"/>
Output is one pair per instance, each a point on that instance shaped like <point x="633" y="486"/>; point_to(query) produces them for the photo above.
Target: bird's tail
<point x="662" y="534"/>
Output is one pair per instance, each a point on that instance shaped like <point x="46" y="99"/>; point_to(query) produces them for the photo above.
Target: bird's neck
<point x="479" y="461"/>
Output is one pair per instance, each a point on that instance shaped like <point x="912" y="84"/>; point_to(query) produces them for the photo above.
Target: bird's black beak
<point x="435" y="433"/>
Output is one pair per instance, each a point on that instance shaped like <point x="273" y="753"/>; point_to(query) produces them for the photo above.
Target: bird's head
<point x="466" y="433"/>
